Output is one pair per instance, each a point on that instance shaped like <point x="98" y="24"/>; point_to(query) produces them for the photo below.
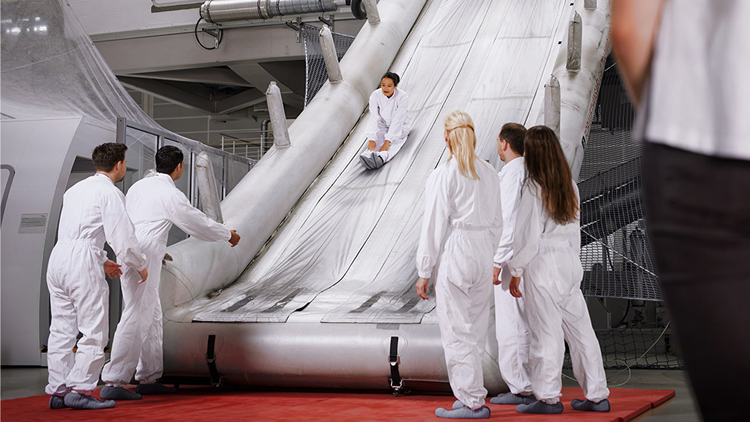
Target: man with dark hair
<point x="154" y="204"/>
<point x="511" y="327"/>
<point x="168" y="158"/>
<point x="511" y="134"/>
<point x="93" y="212"/>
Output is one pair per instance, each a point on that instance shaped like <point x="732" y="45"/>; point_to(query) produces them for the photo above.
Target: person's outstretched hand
<point x="235" y="239"/>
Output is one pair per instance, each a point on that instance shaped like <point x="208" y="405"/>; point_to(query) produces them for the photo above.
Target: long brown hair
<point x="546" y="165"/>
<point x="459" y="129"/>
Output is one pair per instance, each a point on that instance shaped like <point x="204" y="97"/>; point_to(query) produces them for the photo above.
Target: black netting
<point x="315" y="68"/>
<point x="615" y="251"/>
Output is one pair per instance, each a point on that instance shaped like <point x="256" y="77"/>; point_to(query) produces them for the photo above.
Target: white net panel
<point x="51" y="68"/>
<point x="315" y="68"/>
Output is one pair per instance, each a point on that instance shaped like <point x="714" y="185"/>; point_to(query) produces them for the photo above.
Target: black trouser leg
<point x="698" y="220"/>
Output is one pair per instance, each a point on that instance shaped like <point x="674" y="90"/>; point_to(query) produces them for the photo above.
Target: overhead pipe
<point x="329" y="55"/>
<point x="221" y="11"/>
<point x="278" y="116"/>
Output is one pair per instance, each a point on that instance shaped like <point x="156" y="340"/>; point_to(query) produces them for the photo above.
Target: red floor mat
<point x="206" y="404"/>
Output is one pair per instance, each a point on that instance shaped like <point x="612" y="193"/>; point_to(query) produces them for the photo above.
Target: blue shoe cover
<point x="156" y="388"/>
<point x="510" y="398"/>
<point x="589" y="406"/>
<point x="118" y="393"/>
<point x="57" y="402"/>
<point x="463" y="413"/>
<point x="84" y="401"/>
<point x="540" y="408"/>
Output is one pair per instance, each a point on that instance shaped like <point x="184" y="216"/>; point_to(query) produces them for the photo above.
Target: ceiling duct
<point x="221" y="11"/>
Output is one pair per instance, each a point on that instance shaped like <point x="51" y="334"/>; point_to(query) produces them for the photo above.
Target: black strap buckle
<point x="216" y="380"/>
<point x="397" y="384"/>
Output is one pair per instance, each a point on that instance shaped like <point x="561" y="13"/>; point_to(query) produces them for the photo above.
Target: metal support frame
<point x="161" y="136"/>
<point x="297" y="26"/>
<point x="121" y="135"/>
<point x="214" y="32"/>
<point x="329" y="21"/>
<point x="6" y="191"/>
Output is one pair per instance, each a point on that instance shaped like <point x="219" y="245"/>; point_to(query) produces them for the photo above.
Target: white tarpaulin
<point x="346" y="252"/>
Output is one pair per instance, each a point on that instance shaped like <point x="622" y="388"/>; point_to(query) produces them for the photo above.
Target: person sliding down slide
<point x="389" y="123"/>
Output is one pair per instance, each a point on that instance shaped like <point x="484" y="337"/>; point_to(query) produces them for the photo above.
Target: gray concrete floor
<point x="24" y="382"/>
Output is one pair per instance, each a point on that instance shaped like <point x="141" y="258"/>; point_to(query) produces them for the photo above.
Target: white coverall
<point x="510" y="322"/>
<point x="154" y="204"/>
<point x="93" y="212"/>
<point x="547" y="255"/>
<point x="460" y="231"/>
<point x="389" y="120"/>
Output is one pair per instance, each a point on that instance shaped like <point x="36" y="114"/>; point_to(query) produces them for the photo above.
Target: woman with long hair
<point x="546" y="248"/>
<point x="460" y="231"/>
<point x="389" y="122"/>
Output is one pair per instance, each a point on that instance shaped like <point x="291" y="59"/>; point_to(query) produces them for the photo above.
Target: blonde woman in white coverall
<point x="511" y="328"/>
<point x="389" y="122"/>
<point x="93" y="212"/>
<point x="154" y="204"/>
<point x="546" y="248"/>
<point x="460" y="231"/>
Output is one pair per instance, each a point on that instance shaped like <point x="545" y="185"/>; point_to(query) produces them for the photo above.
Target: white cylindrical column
<point x="575" y="39"/>
<point x="329" y="55"/>
<point x="552" y="105"/>
<point x="204" y="174"/>
<point x="278" y="116"/>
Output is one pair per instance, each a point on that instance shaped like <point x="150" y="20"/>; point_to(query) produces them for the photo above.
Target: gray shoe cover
<point x="377" y="160"/>
<point x="463" y="413"/>
<point x="510" y="398"/>
<point x="540" y="408"/>
<point x="156" y="388"/>
<point x="457" y="404"/>
<point x="118" y="393"/>
<point x="589" y="406"/>
<point x="57" y="402"/>
<point x="82" y="401"/>
<point x="366" y="159"/>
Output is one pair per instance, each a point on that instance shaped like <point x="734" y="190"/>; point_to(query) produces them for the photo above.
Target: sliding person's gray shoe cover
<point x="57" y="402"/>
<point x="377" y="160"/>
<point x="82" y="401"/>
<point x="540" y="408"/>
<point x="366" y="159"/>
<point x="510" y="398"/>
<point x="118" y="393"/>
<point x="457" y="404"/>
<point x="156" y="388"/>
<point x="463" y="413"/>
<point x="589" y="406"/>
